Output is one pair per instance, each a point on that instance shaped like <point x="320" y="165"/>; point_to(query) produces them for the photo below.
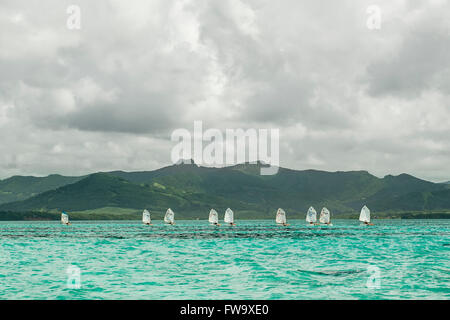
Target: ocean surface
<point x="395" y="259"/>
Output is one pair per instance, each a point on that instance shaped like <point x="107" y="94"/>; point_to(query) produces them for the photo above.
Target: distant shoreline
<point x="77" y="216"/>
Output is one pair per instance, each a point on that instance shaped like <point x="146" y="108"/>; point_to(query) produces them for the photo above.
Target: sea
<point x="394" y="259"/>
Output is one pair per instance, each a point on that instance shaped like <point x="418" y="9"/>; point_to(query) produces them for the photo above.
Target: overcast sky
<point x="108" y="96"/>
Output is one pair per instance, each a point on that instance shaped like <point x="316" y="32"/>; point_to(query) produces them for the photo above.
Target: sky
<point x="108" y="96"/>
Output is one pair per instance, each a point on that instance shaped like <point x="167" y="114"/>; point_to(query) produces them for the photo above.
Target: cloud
<point x="109" y="95"/>
<point x="421" y="62"/>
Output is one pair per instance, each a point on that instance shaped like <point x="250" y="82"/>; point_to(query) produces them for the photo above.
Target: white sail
<point x="324" y="216"/>
<point x="364" y="215"/>
<point x="64" y="218"/>
<point x="169" y="217"/>
<point x="146" y="217"/>
<point x="311" y="216"/>
<point x="281" y="216"/>
<point x="213" y="216"/>
<point x="229" y="216"/>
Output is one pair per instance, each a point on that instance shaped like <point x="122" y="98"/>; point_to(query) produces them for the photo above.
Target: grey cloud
<point x="421" y="63"/>
<point x="108" y="96"/>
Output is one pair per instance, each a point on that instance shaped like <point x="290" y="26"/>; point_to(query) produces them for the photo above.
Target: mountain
<point x="396" y="189"/>
<point x="97" y="191"/>
<point x="416" y="201"/>
<point x="290" y="189"/>
<point x="102" y="190"/>
<point x="19" y="188"/>
<point x="190" y="189"/>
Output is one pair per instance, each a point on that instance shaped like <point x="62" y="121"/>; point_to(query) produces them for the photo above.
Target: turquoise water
<point x="395" y="259"/>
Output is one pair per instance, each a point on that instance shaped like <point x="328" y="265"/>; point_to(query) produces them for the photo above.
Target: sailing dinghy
<point x="311" y="216"/>
<point x="364" y="216"/>
<point x="229" y="217"/>
<point x="146" y="217"/>
<point x="325" y="217"/>
<point x="214" y="217"/>
<point x="169" y="218"/>
<point x="281" y="217"/>
<point x="65" y="218"/>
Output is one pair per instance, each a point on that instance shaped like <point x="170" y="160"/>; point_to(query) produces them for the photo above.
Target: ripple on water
<point x="254" y="260"/>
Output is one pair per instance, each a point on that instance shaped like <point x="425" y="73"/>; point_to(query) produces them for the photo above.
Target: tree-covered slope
<point x="190" y="188"/>
<point x="103" y="190"/>
<point x="19" y="187"/>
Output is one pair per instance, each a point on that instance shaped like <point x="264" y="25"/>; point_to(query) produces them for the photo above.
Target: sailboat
<point x="325" y="217"/>
<point x="169" y="217"/>
<point x="281" y="217"/>
<point x="364" y="216"/>
<point x="146" y="217"/>
<point x="214" y="217"/>
<point x="311" y="216"/>
<point x="229" y="217"/>
<point x="65" y="218"/>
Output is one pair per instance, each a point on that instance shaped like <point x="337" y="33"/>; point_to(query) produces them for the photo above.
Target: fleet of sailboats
<point x="280" y="218"/>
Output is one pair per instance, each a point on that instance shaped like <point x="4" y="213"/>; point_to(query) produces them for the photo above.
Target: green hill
<point x="415" y="201"/>
<point x="19" y="188"/>
<point x="190" y="189"/>
<point x="97" y="191"/>
<point x="103" y="190"/>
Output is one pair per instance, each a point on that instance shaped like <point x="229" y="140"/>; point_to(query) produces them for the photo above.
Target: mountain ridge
<point x="189" y="188"/>
<point x="17" y="188"/>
